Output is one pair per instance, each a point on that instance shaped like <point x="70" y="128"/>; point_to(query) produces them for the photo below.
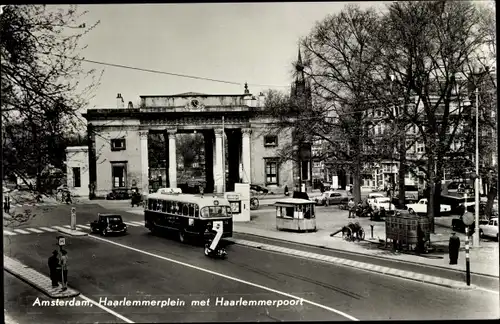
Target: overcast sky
<point x="240" y="42"/>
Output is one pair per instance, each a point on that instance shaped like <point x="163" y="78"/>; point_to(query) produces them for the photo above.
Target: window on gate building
<point x="77" y="182"/>
<point x="117" y="144"/>
<point x="271" y="172"/>
<point x="119" y="174"/>
<point x="270" y="140"/>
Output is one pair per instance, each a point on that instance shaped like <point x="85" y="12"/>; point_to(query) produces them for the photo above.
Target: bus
<point x="186" y="214"/>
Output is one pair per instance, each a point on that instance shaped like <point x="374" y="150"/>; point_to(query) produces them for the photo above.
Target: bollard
<point x="371" y="227"/>
<point x="73" y="218"/>
<point x="467" y="261"/>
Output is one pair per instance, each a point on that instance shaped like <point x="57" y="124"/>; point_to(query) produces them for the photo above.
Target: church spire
<point x="300" y="80"/>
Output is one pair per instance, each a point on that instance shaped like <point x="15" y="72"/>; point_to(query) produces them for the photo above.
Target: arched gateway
<point x="119" y="141"/>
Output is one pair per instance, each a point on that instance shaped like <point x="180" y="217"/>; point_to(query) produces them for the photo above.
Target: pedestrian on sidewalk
<point x="53" y="265"/>
<point x="351" y="206"/>
<point x="68" y="197"/>
<point x="453" y="248"/>
<point x="63" y="262"/>
<point x="6" y="203"/>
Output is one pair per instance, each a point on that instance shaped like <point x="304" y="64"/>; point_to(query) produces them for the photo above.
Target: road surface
<point x="144" y="267"/>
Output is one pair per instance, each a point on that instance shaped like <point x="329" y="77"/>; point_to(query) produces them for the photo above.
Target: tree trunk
<point x="357" y="179"/>
<point x="432" y="193"/>
<point x="402" y="172"/>
<point x="492" y="194"/>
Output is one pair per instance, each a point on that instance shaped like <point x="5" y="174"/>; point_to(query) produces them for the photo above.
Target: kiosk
<point x="296" y="215"/>
<point x="234" y="201"/>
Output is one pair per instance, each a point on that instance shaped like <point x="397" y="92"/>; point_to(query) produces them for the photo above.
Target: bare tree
<point x="43" y="85"/>
<point x="431" y="43"/>
<point x="339" y="62"/>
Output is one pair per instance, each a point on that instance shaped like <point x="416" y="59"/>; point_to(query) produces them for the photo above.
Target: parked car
<point x="490" y="229"/>
<point x="258" y="189"/>
<point x="421" y="207"/>
<point x="331" y="198"/>
<point x="458" y="225"/>
<point x="384" y="202"/>
<point x="108" y="224"/>
<point x="118" y="194"/>
<point x="471" y="207"/>
<point x="371" y="197"/>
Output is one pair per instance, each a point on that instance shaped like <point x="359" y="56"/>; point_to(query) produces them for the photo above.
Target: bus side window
<point x="185" y="209"/>
<point x="169" y="207"/>
<point x="150" y="204"/>
<point x="164" y="206"/>
<point x="191" y="210"/>
<point x="196" y="211"/>
<point x="153" y="205"/>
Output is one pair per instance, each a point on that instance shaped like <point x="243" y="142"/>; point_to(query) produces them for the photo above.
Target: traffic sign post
<point x="468" y="220"/>
<point x="61" y="241"/>
<point x="73" y="218"/>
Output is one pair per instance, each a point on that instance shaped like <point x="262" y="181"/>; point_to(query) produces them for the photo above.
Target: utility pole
<point x="223" y="158"/>
<point x="475" y="237"/>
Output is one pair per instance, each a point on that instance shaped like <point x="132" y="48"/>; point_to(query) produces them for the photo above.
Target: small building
<point x="77" y="170"/>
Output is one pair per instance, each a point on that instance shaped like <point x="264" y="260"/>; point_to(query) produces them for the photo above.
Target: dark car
<point x="258" y="189"/>
<point x="108" y="224"/>
<point x="118" y="194"/>
<point x="458" y="225"/>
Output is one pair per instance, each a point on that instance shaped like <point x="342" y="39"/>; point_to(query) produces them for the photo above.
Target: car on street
<point x="371" y="197"/>
<point x="108" y="224"/>
<point x="382" y="202"/>
<point x="490" y="229"/>
<point x="331" y="198"/>
<point x="421" y="207"/>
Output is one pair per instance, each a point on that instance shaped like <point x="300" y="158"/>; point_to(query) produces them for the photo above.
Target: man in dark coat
<point x="53" y="265"/>
<point x="454" y="247"/>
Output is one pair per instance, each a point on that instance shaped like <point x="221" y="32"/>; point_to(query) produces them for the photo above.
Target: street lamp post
<point x="475" y="237"/>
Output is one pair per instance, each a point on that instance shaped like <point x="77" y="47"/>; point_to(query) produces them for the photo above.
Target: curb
<point x="71" y="232"/>
<point x="36" y="279"/>
<point x="360" y="254"/>
<point x="359" y="265"/>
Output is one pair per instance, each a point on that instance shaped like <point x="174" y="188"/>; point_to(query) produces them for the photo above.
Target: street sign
<point x="468" y="218"/>
<point x="61" y="241"/>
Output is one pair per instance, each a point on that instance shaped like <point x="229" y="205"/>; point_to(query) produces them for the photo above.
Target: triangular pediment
<point x="185" y="94"/>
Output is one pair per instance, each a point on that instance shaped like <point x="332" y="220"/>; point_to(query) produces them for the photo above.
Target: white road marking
<point x="5" y="232"/>
<point x="67" y="226"/>
<point x="130" y="224"/>
<point x="34" y="230"/>
<point x="138" y="223"/>
<point x="59" y="228"/>
<point x="20" y="231"/>
<point x="333" y="310"/>
<point x="48" y="229"/>
<point x="83" y="226"/>
<point x="104" y="308"/>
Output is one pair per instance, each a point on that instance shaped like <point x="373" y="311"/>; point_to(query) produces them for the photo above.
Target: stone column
<point x="219" y="161"/>
<point x="143" y="135"/>
<point x="172" y="159"/>
<point x="209" y="161"/>
<point x="245" y="154"/>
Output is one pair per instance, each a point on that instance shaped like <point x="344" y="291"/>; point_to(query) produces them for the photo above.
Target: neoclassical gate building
<point x="118" y="154"/>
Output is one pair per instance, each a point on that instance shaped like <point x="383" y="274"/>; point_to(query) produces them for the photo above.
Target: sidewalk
<point x="484" y="260"/>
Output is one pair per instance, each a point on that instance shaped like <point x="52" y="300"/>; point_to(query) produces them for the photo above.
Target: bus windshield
<point x="215" y="211"/>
